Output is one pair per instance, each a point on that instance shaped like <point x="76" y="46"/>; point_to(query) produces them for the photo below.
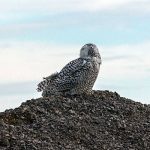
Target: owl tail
<point x="47" y="80"/>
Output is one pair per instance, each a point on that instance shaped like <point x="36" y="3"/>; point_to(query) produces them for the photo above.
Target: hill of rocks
<point x="101" y="121"/>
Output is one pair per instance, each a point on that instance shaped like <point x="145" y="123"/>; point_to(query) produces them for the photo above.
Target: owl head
<point x="89" y="50"/>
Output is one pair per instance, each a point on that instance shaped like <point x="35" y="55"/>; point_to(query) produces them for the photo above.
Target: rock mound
<point x="101" y="121"/>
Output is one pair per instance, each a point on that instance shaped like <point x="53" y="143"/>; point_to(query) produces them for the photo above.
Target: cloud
<point x="13" y="94"/>
<point x="26" y="61"/>
<point x="98" y="20"/>
<point x="126" y="61"/>
<point x="57" y="6"/>
<point x="17" y="87"/>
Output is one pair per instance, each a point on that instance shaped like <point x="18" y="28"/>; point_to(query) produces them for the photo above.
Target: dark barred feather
<point x="47" y="80"/>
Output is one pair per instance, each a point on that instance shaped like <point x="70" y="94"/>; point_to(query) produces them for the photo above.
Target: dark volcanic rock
<point x="101" y="121"/>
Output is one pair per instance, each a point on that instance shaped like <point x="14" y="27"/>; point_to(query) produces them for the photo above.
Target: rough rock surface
<point x="101" y="121"/>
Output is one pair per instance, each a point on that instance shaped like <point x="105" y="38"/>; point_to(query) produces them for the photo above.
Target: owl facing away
<point x="77" y="77"/>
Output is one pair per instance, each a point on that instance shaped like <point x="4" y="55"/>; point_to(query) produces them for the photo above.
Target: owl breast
<point x="86" y="78"/>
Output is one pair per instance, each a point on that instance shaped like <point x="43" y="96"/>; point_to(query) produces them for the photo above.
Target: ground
<point x="101" y="121"/>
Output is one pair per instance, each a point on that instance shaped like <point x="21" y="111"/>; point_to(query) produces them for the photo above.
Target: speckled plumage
<point x="77" y="77"/>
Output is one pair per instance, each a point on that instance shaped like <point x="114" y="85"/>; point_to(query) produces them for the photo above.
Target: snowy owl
<point x="77" y="77"/>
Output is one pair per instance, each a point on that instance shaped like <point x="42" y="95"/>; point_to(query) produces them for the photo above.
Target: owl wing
<point x="72" y="74"/>
<point x="72" y="67"/>
<point x="47" y="80"/>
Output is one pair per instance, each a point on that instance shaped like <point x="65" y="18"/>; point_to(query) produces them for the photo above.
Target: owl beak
<point x="99" y="58"/>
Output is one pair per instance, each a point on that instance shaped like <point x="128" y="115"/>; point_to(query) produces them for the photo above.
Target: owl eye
<point x="91" y="46"/>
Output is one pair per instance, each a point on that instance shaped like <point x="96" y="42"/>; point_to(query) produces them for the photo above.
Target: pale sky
<point x="38" y="38"/>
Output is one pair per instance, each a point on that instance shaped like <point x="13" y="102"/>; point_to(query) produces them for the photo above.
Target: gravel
<point x="101" y="121"/>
